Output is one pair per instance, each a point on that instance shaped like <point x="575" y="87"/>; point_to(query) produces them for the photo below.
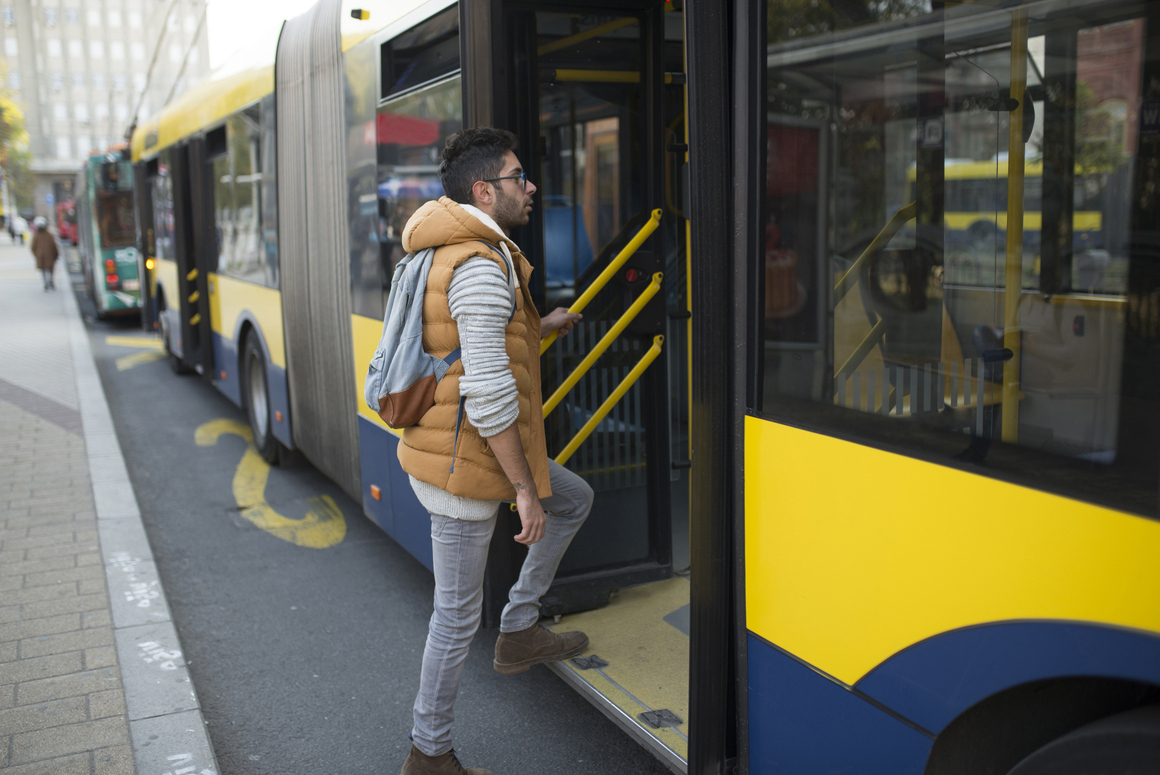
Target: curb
<point x="165" y="720"/>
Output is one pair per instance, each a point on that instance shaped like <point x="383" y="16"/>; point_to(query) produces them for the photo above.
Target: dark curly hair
<point x="470" y="155"/>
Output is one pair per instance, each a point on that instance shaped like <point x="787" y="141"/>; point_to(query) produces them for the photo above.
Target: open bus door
<point x="597" y="101"/>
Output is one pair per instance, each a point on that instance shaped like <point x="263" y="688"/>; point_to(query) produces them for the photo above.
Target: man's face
<point x="513" y="201"/>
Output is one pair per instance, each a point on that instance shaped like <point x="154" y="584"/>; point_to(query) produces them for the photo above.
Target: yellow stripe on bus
<point x="229" y="299"/>
<point x="853" y="554"/>
<point x="366" y="333"/>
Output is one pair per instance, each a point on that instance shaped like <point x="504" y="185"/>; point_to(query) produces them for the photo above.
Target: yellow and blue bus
<point x="107" y="234"/>
<point x="853" y="514"/>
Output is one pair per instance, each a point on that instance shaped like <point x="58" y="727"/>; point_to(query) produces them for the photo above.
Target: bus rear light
<point x="112" y="280"/>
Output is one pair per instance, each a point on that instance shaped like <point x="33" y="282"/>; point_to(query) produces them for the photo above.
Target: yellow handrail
<point x="891" y="228"/>
<point x="599" y="283"/>
<point x="604" y="343"/>
<point x="610" y="402"/>
<point x="863" y="349"/>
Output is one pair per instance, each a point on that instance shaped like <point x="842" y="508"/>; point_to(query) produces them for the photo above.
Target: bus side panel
<point x="805" y="723"/>
<point x="408" y="522"/>
<point x="934" y="681"/>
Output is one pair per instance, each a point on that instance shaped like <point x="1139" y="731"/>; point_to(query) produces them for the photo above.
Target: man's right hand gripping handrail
<point x="612" y="268"/>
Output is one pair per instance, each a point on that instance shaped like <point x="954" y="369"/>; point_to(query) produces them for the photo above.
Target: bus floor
<point x="636" y="666"/>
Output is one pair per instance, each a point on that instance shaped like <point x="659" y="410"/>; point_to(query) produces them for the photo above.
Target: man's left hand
<point x="559" y="320"/>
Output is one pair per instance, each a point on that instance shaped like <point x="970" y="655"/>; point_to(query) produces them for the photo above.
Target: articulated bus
<point x="106" y="234"/>
<point x="856" y="512"/>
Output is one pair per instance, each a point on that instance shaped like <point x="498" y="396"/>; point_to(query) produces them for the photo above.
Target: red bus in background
<point x="66" y="220"/>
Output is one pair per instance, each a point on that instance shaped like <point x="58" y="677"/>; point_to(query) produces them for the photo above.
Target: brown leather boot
<point x="515" y="652"/>
<point x="419" y="763"/>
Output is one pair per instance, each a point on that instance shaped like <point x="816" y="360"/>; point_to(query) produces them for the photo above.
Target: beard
<point x="510" y="212"/>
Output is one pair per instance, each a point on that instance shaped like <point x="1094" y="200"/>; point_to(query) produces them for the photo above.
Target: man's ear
<point x="483" y="193"/>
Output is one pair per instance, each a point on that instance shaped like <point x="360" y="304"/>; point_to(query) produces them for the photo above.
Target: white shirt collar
<point x="490" y="223"/>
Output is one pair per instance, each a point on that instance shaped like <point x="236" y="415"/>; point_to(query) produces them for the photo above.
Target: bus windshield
<point x="115" y="218"/>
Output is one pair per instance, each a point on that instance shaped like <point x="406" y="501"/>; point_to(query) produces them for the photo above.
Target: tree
<point x="14" y="153"/>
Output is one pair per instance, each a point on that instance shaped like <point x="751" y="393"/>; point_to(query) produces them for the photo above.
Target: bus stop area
<point x="92" y="677"/>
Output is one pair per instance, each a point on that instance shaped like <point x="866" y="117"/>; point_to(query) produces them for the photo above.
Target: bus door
<point x="598" y="102"/>
<point x="192" y="203"/>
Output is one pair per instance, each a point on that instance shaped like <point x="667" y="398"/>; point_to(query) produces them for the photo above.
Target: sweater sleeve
<point x="481" y="304"/>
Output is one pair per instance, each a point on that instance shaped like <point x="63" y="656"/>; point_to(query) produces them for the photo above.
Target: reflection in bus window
<point x="114" y="206"/>
<point x="892" y="245"/>
<point x="162" y="193"/>
<point x="238" y="196"/>
<point x="411" y="131"/>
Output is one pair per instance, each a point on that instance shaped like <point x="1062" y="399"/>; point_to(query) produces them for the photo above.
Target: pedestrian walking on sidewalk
<point x="461" y="468"/>
<point x="45" y="250"/>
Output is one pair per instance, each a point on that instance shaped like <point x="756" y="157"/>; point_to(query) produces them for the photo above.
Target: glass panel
<point x="238" y="187"/>
<point x="162" y="190"/>
<point x="411" y="132"/>
<point x="114" y="204"/>
<point x="971" y="326"/>
<point x="422" y="54"/>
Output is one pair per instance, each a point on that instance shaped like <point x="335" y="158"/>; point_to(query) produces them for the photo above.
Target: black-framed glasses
<point x="522" y="178"/>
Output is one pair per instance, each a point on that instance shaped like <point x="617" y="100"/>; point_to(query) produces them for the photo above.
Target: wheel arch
<point x="248" y="325"/>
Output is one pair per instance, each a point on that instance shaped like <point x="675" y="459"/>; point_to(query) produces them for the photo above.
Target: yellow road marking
<point x="136" y="359"/>
<point x="324" y="524"/>
<point x="143" y="342"/>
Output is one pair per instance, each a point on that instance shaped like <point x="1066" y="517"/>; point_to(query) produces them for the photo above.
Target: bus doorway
<point x="597" y="99"/>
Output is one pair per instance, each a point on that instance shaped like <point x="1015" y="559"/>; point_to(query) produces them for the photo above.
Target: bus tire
<point x="175" y="364"/>
<point x="257" y="396"/>
<point x="1124" y="744"/>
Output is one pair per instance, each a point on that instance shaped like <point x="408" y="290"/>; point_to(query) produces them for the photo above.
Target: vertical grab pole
<point x="1014" y="281"/>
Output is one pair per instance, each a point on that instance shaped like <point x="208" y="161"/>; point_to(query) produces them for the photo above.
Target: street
<point x="306" y="660"/>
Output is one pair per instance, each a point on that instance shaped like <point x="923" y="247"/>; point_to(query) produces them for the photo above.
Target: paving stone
<point x="70" y="573"/>
<point x="44" y="715"/>
<point x="117" y="760"/>
<point x="36" y="627"/>
<point x="41" y="667"/>
<point x="70" y="739"/>
<point x="73" y="685"/>
<point x="72" y="549"/>
<point x="79" y="764"/>
<point x="91" y="619"/>
<point x="103" y="656"/>
<point x="41" y="594"/>
<point x="124" y="536"/>
<point x="67" y="641"/>
<point x="9" y="651"/>
<point x="172" y="743"/>
<point x="10" y="534"/>
<point x="74" y="604"/>
<point x="91" y="586"/>
<point x="68" y="526"/>
<point x="105" y="704"/>
<point x="153" y="671"/>
<point x="51" y="539"/>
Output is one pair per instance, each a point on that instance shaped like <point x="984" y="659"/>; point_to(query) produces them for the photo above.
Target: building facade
<point x="79" y="69"/>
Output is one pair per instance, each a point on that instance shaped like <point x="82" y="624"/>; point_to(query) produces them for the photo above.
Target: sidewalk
<point x="91" y="674"/>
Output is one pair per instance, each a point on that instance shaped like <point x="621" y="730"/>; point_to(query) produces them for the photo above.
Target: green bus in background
<point x="107" y="234"/>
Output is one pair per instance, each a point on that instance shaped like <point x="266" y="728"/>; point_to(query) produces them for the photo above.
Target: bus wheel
<point x="258" y="401"/>
<point x="175" y="363"/>
<point x="1124" y="744"/>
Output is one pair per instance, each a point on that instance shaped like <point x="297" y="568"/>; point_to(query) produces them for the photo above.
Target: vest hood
<point x="444" y="222"/>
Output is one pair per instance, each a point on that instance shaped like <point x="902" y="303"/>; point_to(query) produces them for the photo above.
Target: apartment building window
<point x="193" y="56"/>
<point x="121" y="112"/>
<point x="94" y="18"/>
<point x="78" y="80"/>
<point x="10" y="48"/>
<point x="96" y="49"/>
<point x="51" y="16"/>
<point x="119" y="83"/>
<point x="190" y="23"/>
<point x="114" y="18"/>
<point x="81" y="113"/>
<point x="63" y="149"/>
<point x="137" y="50"/>
<point x="56" y="80"/>
<point x="139" y="82"/>
<point x="175" y="53"/>
<point x="76" y="49"/>
<point x="84" y="145"/>
<point x="14" y="80"/>
<point x="101" y="112"/>
<point x="60" y="111"/>
<point x="174" y="22"/>
<point x="135" y="19"/>
<point x="8" y="13"/>
<point x="100" y="81"/>
<point x="117" y="50"/>
<point x="53" y="47"/>
<point x="72" y="16"/>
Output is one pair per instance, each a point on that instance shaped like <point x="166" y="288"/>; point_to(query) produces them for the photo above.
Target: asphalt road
<point x="307" y="660"/>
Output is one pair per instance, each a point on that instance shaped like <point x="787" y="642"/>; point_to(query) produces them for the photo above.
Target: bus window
<point x="162" y="192"/>
<point x="114" y="206"/>
<point x="920" y="293"/>
<point x="238" y="189"/>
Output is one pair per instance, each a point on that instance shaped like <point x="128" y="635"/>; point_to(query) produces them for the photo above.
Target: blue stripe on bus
<point x="802" y="722"/>
<point x="399" y="512"/>
<point x="225" y="358"/>
<point x="935" y="680"/>
<point x="279" y="396"/>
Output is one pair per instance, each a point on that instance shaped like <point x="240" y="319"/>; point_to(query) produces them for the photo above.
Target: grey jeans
<point x="460" y="555"/>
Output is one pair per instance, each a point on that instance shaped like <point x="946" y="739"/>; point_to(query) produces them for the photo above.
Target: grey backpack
<point x="401" y="381"/>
